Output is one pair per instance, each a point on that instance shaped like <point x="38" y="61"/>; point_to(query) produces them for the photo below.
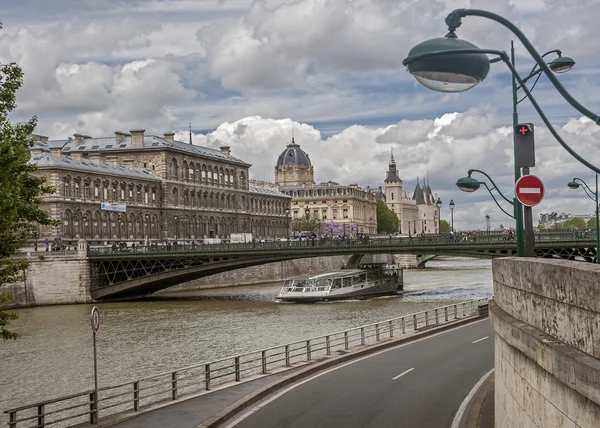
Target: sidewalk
<point x="480" y="411"/>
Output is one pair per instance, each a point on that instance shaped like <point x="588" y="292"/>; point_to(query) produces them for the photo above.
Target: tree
<point x="444" y="226"/>
<point x="592" y="223"/>
<point x="574" y="223"/>
<point x="21" y="192"/>
<point x="307" y="224"/>
<point x="387" y="220"/>
<point x="541" y="227"/>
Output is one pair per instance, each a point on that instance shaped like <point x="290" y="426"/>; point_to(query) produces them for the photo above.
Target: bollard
<point x="403" y="325"/>
<point x="327" y="345"/>
<point x="237" y="369"/>
<point x="136" y="396"/>
<point x="93" y="409"/>
<point x="287" y="355"/>
<point x="207" y="376"/>
<point x="377" y="332"/>
<point x="308" y="355"/>
<point x="346" y="340"/>
<point x="437" y="321"/>
<point x="264" y="362"/>
<point x="415" y="321"/>
<point x="362" y="335"/>
<point x="391" y="329"/>
<point x="40" y="418"/>
<point x="174" y="385"/>
<point x="446" y="313"/>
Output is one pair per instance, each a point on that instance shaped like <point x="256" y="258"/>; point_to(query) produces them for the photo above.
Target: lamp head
<point x="562" y="64"/>
<point x="448" y="72"/>
<point x="573" y="185"/>
<point x="438" y="203"/>
<point x="451" y="204"/>
<point x="468" y="184"/>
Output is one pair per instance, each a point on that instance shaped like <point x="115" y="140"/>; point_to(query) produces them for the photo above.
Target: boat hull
<point x="388" y="288"/>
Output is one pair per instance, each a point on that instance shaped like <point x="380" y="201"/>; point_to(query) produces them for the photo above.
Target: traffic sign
<point x="529" y="190"/>
<point x="95" y="319"/>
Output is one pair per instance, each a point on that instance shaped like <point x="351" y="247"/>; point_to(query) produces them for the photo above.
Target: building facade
<point x="337" y="209"/>
<point x="417" y="211"/>
<point x="136" y="187"/>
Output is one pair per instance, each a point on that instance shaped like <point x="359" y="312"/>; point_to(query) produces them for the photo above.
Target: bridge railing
<point x="139" y="393"/>
<point x="407" y="242"/>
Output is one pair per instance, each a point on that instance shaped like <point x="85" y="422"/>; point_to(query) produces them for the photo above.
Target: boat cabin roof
<point x="331" y="275"/>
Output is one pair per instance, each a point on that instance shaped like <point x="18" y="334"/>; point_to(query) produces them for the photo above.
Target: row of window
<point x="301" y="193"/>
<point x="97" y="190"/>
<point x="335" y="213"/>
<point x="206" y="174"/>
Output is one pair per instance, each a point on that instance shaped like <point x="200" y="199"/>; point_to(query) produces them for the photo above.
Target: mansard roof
<point x="106" y="144"/>
<point x="268" y="192"/>
<point x="47" y="160"/>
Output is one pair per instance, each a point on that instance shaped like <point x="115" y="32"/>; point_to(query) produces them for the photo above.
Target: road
<point x="419" y="384"/>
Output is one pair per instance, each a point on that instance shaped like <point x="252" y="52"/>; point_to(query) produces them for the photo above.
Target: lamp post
<point x="487" y="223"/>
<point x="451" y="65"/>
<point x="176" y="220"/>
<point x="593" y="196"/>
<point x="452" y="205"/>
<point x="119" y="220"/>
<point x="469" y="184"/>
<point x="287" y="221"/>
<point x="438" y="204"/>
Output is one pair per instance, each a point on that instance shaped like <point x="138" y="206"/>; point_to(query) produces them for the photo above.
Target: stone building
<point x="138" y="187"/>
<point x="340" y="209"/>
<point x="417" y="211"/>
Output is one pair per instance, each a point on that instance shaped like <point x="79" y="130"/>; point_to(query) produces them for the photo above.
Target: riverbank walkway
<point x="221" y="406"/>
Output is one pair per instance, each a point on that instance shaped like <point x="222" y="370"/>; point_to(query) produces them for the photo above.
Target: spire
<point x="392" y="160"/>
<point x="190" y="133"/>
<point x="293" y="141"/>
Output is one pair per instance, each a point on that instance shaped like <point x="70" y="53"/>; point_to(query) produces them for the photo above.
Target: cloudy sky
<point x="246" y="72"/>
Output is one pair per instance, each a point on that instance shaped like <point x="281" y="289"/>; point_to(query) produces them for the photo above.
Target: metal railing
<point x="133" y="395"/>
<point x="421" y="242"/>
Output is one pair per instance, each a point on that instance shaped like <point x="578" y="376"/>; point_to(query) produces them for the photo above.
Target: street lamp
<point x="469" y="184"/>
<point x="451" y="65"/>
<point x="438" y="204"/>
<point x="287" y="221"/>
<point x="176" y="220"/>
<point x="452" y="205"/>
<point x="119" y="220"/>
<point x="487" y="223"/>
<point x="593" y="196"/>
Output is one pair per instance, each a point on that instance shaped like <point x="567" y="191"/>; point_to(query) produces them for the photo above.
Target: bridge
<point x="118" y="273"/>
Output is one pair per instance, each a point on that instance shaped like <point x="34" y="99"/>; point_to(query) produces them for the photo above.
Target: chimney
<point x="137" y="138"/>
<point x="170" y="137"/>
<point x="95" y="158"/>
<point x="113" y="161"/>
<point x="78" y="139"/>
<point x="39" y="137"/>
<point x="127" y="163"/>
<point x="56" y="152"/>
<point x="226" y="150"/>
<point x="76" y="156"/>
<point x="118" y="137"/>
<point x="85" y="137"/>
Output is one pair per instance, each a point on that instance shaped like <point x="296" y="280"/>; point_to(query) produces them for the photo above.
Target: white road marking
<point x="483" y="338"/>
<point x="288" y="389"/>
<point x="403" y="373"/>
<point x="530" y="190"/>
<point x="467" y="400"/>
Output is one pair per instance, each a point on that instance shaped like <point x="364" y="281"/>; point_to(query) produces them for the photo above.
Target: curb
<point x="246" y="401"/>
<point x="471" y="417"/>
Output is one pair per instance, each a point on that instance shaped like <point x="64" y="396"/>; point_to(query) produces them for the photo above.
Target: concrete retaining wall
<point x="52" y="280"/>
<point x="546" y="316"/>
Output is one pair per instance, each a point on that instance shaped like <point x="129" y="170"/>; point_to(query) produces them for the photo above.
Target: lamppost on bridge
<point x="438" y="204"/>
<point x="452" y="205"/>
<point x="451" y="65"/>
<point x="120" y="221"/>
<point x="593" y="196"/>
<point x="487" y="224"/>
<point x="176" y="221"/>
<point x="288" y="222"/>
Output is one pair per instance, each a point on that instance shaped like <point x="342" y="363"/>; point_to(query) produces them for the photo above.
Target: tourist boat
<point x="342" y="285"/>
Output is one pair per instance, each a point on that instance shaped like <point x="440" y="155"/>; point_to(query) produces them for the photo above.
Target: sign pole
<point x="528" y="226"/>
<point x="94" y="404"/>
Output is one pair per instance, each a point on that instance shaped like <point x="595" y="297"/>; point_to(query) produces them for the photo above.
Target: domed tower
<point x="294" y="167"/>
<point x="393" y="190"/>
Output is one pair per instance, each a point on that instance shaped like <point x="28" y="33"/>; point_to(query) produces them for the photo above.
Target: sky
<point x="248" y="73"/>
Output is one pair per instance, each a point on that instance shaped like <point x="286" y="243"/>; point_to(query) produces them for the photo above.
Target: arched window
<point x="242" y="180"/>
<point x="175" y="198"/>
<point x="174" y="170"/>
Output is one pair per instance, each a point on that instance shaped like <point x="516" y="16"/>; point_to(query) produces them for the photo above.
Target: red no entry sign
<point x="529" y="190"/>
<point x="95" y="319"/>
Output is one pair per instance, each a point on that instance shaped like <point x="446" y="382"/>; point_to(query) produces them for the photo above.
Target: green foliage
<point x="574" y="223"/>
<point x="21" y="193"/>
<point x="592" y="223"/>
<point x="307" y="224"/>
<point x="541" y="227"/>
<point x="444" y="226"/>
<point x="387" y="220"/>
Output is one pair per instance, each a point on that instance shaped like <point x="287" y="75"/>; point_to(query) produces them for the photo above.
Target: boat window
<point x="300" y="283"/>
<point x="347" y="282"/>
<point x="337" y="283"/>
<point x="362" y="277"/>
<point x="288" y="283"/>
<point x="322" y="283"/>
<point x="356" y="279"/>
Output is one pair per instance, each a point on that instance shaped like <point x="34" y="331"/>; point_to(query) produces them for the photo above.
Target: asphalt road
<point x="420" y="384"/>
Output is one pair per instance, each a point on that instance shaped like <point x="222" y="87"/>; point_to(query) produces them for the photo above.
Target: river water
<point x="54" y="357"/>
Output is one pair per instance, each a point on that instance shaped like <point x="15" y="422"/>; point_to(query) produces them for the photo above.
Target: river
<point x="54" y="356"/>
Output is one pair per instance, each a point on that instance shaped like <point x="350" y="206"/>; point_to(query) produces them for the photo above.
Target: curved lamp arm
<point x="454" y="21"/>
<point x="588" y="191"/>
<point x="495" y="200"/>
<point x="535" y="71"/>
<point x="494" y="184"/>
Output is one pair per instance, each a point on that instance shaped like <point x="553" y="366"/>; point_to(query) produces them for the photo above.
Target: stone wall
<point x="51" y="280"/>
<point x="546" y="318"/>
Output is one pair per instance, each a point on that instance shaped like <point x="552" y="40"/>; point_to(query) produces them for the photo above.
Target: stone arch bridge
<point x="144" y="270"/>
